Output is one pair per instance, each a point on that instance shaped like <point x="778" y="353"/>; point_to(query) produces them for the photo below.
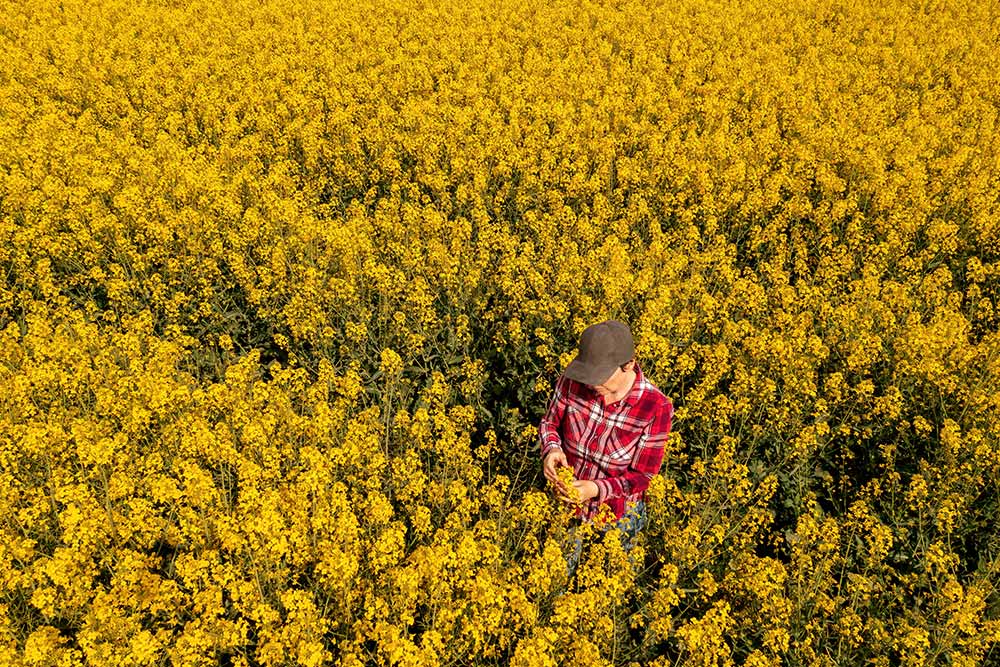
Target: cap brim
<point x="581" y="372"/>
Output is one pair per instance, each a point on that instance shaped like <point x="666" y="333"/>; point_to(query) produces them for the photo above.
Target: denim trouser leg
<point x="630" y="524"/>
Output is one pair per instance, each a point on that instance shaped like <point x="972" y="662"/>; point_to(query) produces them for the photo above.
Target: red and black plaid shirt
<point x="619" y="446"/>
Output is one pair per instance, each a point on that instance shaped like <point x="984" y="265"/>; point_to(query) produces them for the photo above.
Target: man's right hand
<point x="554" y="460"/>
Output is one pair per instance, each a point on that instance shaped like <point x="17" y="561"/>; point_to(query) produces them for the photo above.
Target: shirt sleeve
<point x="646" y="460"/>
<point x="549" y="437"/>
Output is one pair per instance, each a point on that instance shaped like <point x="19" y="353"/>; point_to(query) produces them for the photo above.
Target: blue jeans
<point x="630" y="524"/>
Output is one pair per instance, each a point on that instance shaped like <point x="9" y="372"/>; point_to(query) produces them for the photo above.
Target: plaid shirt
<point x="619" y="446"/>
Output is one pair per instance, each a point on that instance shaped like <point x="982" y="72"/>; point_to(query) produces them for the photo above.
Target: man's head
<point x="605" y="357"/>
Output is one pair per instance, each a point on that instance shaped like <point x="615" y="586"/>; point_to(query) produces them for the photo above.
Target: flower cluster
<point x="565" y="474"/>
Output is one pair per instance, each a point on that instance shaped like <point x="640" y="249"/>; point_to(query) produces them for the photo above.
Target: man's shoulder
<point x="571" y="388"/>
<point x="652" y="397"/>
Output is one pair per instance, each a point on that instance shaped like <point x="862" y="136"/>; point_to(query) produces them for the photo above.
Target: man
<point x="610" y="424"/>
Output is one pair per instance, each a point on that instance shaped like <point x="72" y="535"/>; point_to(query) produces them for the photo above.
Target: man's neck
<point x="626" y="390"/>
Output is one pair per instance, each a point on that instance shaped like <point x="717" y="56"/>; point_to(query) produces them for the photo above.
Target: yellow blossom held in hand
<point x="565" y="475"/>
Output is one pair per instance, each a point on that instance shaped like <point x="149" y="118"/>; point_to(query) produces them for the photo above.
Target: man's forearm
<point x="623" y="485"/>
<point x="548" y="436"/>
<point x="549" y="447"/>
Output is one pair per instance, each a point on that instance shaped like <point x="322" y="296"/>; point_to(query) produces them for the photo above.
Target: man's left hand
<point x="587" y="489"/>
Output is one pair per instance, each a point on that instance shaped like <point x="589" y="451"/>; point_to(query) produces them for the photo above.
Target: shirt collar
<point x="632" y="397"/>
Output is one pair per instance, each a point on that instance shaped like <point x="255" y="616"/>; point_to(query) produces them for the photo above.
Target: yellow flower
<point x="565" y="475"/>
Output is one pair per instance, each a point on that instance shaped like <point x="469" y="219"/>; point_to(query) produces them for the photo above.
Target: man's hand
<point x="553" y="460"/>
<point x="586" y="488"/>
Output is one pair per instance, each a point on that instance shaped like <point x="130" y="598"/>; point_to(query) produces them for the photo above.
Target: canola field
<point x="285" y="287"/>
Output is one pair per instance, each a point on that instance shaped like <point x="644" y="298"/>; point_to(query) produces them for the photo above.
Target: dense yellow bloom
<point x="272" y="356"/>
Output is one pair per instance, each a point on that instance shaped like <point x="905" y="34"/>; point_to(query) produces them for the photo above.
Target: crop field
<point x="285" y="288"/>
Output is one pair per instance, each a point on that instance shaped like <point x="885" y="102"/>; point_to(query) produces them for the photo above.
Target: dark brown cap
<point x="603" y="347"/>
